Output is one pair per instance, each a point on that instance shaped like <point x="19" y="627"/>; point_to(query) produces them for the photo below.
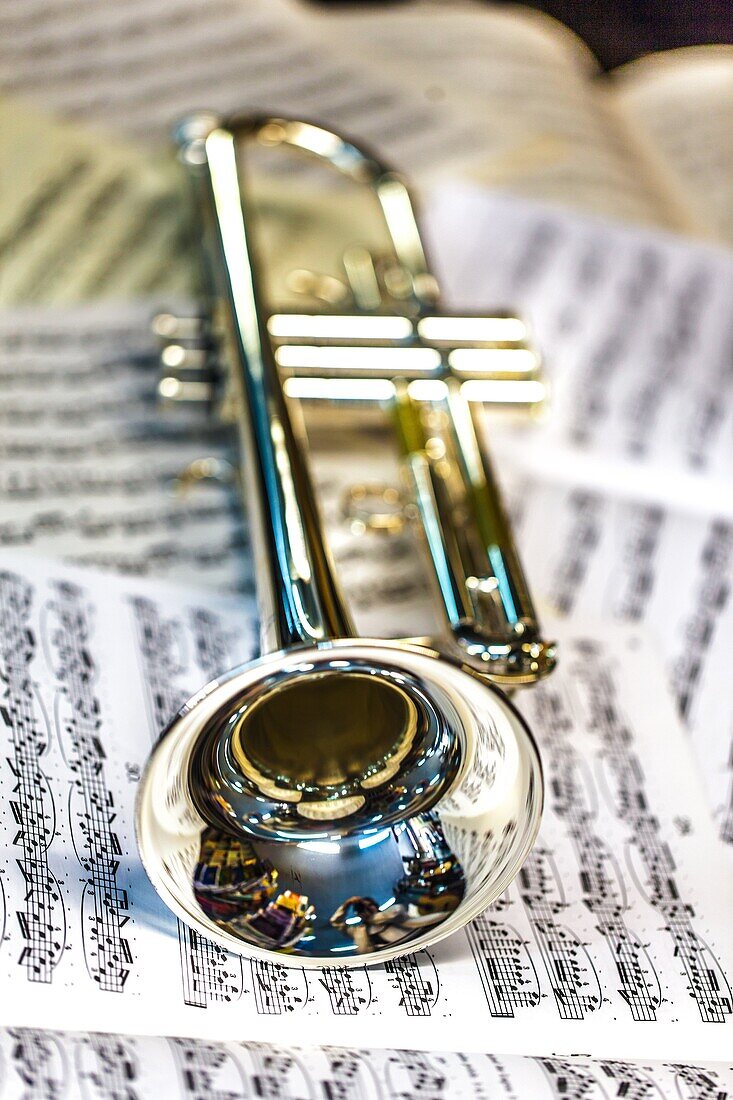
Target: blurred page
<point x="527" y="74"/>
<point x="681" y="103"/>
<point x="636" y="331"/>
<point x="84" y="215"/>
<point x="138" y="66"/>
<point x="183" y="1069"/>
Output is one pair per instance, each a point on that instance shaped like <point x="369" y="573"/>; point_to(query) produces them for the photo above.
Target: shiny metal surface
<point x="343" y="799"/>
<point x="339" y="804"/>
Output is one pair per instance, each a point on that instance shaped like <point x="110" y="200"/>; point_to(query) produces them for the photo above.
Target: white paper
<point x="183" y="1069"/>
<point x="612" y="941"/>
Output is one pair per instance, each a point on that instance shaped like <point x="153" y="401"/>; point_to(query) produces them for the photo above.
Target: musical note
<point x="602" y="886"/>
<point x="350" y="1076"/>
<point x="108" y="1067"/>
<point x="416" y="979"/>
<point x="581" y="538"/>
<point x="38" y="1059"/>
<point x="713" y="594"/>
<point x="508" y="975"/>
<point x="349" y="991"/>
<point x="637" y="559"/>
<point x="631" y="1081"/>
<point x="115" y="1067"/>
<point x="209" y="973"/>
<point x="208" y="1070"/>
<point x="278" y="1072"/>
<point x="695" y="1083"/>
<point x="411" y="1073"/>
<point x="278" y="989"/>
<point x="574" y="981"/>
<point x="569" y="1079"/>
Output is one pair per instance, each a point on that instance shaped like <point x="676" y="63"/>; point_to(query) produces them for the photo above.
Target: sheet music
<point x="637" y="561"/>
<point x="611" y="941"/>
<point x="138" y="66"/>
<point x="184" y="1069"/>
<point x="637" y="333"/>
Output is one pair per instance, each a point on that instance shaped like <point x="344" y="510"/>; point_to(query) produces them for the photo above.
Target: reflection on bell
<point x="239" y="891"/>
<point x="434" y="782"/>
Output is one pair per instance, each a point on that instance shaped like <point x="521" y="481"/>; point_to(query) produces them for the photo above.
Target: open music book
<point x="650" y="142"/>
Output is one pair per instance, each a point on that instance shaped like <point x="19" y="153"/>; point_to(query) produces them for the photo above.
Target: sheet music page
<point x="612" y="941"/>
<point x="137" y="66"/>
<point x="681" y="103"/>
<point x="186" y="1069"/>
<point x="636" y="330"/>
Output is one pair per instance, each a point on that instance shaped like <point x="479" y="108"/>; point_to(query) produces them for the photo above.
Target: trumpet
<point x="344" y="800"/>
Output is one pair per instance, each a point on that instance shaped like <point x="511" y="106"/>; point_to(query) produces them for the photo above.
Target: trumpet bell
<point x="340" y="803"/>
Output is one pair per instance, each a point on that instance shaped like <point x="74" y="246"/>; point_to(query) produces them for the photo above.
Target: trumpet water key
<point x="343" y="800"/>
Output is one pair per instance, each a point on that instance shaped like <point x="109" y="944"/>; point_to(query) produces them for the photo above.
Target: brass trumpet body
<point x="343" y="800"/>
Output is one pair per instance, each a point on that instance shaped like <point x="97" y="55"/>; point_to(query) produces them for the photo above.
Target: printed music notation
<point x="208" y="1070"/>
<point x="574" y="981"/>
<point x="208" y="973"/>
<point x="105" y="903"/>
<point x="601" y="882"/>
<point x="278" y="989"/>
<point x="349" y="991"/>
<point x="351" y="1076"/>
<point x="414" y="1074"/>
<point x="699" y="1083"/>
<point x="638" y="493"/>
<point x="581" y="939"/>
<point x="708" y="985"/>
<point x="638" y="563"/>
<point x="580" y="539"/>
<point x="38" y="1059"/>
<point x="42" y="918"/>
<point x="108" y="1067"/>
<point x="568" y="1078"/>
<point x="417" y="981"/>
<point x="645" y="549"/>
<point x="506" y="968"/>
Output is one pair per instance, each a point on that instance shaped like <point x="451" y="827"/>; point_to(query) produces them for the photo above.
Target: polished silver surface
<point x="343" y="800"/>
<point x="339" y="804"/>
